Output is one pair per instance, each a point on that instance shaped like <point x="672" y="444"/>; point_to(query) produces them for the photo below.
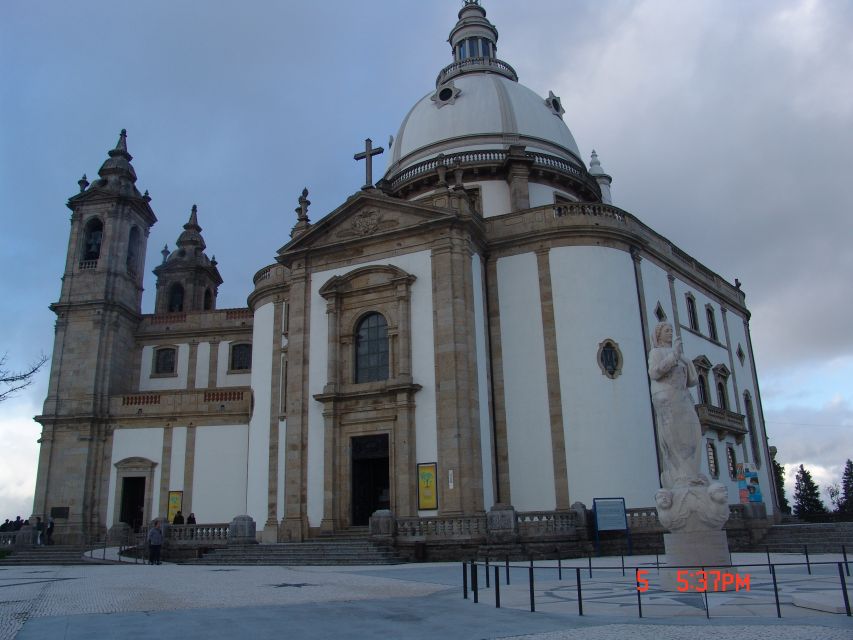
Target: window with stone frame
<point x="165" y="361"/>
<point x="752" y="427"/>
<point x="731" y="462"/>
<point x="371" y="349"/>
<point x="176" y="298"/>
<point x="692" y="317"/>
<point x="610" y="359"/>
<point x="721" y="379"/>
<point x="711" y="450"/>
<point x="712" y="323"/>
<point x="703" y="370"/>
<point x="240" y="360"/>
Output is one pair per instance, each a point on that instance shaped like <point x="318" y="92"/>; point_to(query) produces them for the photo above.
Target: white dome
<point x="487" y="111"/>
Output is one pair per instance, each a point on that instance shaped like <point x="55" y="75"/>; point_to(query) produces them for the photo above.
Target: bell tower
<point x="97" y="314"/>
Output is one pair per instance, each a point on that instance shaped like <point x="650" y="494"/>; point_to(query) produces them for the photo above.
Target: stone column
<point x="518" y="174"/>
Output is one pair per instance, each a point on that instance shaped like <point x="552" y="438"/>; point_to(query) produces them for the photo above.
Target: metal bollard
<point x="532" y="600"/>
<point x="623" y="566"/>
<point x="507" y="570"/>
<point x="808" y="564"/>
<point x="844" y="589"/>
<point x="464" y="580"/>
<point x="846" y="565"/>
<point x="657" y="562"/>
<point x="769" y="566"/>
<point x="474" y="582"/>
<point x="497" y="588"/>
<point x="559" y="569"/>
<point x="589" y="557"/>
<point x="639" y="595"/>
<point x="580" y="594"/>
<point x="487" y="572"/>
<point x="775" y="591"/>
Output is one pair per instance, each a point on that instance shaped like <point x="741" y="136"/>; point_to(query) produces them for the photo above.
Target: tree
<point x="834" y="492"/>
<point x="845" y="502"/>
<point x="806" y="495"/>
<point x="13" y="381"/>
<point x="779" y="477"/>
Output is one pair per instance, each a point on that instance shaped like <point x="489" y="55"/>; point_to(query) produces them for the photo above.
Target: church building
<point x="470" y="330"/>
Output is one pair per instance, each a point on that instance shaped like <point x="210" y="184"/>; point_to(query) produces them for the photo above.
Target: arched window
<point x="92" y="237"/>
<point x="692" y="318"/>
<point x="712" y="323"/>
<point x="722" y="397"/>
<point x="176" y="298"/>
<point x="241" y="357"/>
<point x="713" y="467"/>
<point x="132" y="249"/>
<point x="702" y="388"/>
<point x="208" y="300"/>
<point x="750" y="424"/>
<point x="371" y="349"/>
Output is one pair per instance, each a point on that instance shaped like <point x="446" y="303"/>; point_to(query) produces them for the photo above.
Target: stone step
<point x="333" y="551"/>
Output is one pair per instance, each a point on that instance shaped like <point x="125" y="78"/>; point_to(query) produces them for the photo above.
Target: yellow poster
<point x="176" y="499"/>
<point x="427" y="486"/>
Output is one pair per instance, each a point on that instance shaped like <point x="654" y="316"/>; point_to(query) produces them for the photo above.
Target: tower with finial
<point x="187" y="280"/>
<point x="97" y="314"/>
<point x="603" y="180"/>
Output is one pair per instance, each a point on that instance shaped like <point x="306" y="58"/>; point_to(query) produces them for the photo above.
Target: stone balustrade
<point x="7" y="538"/>
<point x="201" y="534"/>
<point x="209" y="403"/>
<point x="541" y="523"/>
<point x="441" y="528"/>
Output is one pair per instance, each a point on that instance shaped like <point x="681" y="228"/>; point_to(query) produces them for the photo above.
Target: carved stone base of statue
<point x="694" y="552"/>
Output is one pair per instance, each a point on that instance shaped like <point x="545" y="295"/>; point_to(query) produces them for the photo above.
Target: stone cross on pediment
<point x="367" y="155"/>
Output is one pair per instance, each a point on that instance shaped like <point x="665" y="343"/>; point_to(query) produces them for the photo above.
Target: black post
<point x="559" y="569"/>
<point x="474" y="582"/>
<point x="623" y="566"/>
<point x="507" y="570"/>
<point x="657" y="562"/>
<point x="844" y="589"/>
<point x="580" y="594"/>
<point x="590" y="565"/>
<point x="532" y="600"/>
<point x="639" y="595"/>
<point x="769" y="566"/>
<point x="487" y="572"/>
<point x="775" y="591"/>
<point x="464" y="580"/>
<point x="844" y="553"/>
<point x="497" y="588"/>
<point x="707" y="608"/>
<point x="808" y="564"/>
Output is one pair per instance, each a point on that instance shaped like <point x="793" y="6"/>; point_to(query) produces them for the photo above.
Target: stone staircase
<point x="349" y="550"/>
<point x="820" y="538"/>
<point x="48" y="555"/>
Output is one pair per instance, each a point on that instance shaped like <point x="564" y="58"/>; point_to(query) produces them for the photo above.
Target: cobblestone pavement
<point x="405" y="601"/>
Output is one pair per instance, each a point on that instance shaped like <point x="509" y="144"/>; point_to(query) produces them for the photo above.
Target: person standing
<point x="155" y="542"/>
<point x="49" y="531"/>
<point x="179" y="518"/>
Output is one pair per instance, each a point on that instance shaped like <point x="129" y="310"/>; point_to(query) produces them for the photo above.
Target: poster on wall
<point x="176" y="499"/>
<point x="427" y="486"/>
<point x="749" y="487"/>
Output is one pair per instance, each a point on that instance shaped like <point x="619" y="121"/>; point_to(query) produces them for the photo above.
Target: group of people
<point x="155" y="536"/>
<point x="41" y="534"/>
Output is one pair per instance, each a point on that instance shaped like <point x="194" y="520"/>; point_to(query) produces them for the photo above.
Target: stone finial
<point x="302" y="209"/>
<point x="603" y="180"/>
<point x="213" y="260"/>
<point x="84" y="183"/>
<point x="146" y="197"/>
<point x="737" y="284"/>
<point x="165" y="252"/>
<point x="193" y="221"/>
<point x="121" y="145"/>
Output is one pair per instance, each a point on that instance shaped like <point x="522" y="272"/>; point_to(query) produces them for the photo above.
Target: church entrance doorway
<point x="371" y="489"/>
<point x="133" y="501"/>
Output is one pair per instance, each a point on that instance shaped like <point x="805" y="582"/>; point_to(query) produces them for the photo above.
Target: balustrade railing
<point x="7" y="538"/>
<point x="475" y="64"/>
<point x="436" y="528"/>
<point x="88" y="264"/>
<point x="537" y="523"/>
<point x="198" y="533"/>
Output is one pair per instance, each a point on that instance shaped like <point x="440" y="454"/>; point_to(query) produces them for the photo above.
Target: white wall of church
<point x="202" y="365"/>
<point x="543" y="194"/>
<point x="483" y="380"/>
<point x="225" y="379"/>
<point x="609" y="434"/>
<point x="259" y="424"/>
<point x="418" y="264"/>
<point x="531" y="468"/>
<point x="178" y="458"/>
<point x="219" y="481"/>
<point x="136" y="443"/>
<point x="164" y="383"/>
<point x="494" y="196"/>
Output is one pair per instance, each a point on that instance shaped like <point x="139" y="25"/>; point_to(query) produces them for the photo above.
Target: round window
<point x="445" y="94"/>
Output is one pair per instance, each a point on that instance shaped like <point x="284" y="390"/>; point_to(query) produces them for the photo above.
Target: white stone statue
<point x="688" y="501"/>
<point x="679" y="432"/>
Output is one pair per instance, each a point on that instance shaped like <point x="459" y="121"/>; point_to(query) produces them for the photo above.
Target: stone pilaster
<point x="275" y="409"/>
<point x="552" y="372"/>
<point x="192" y="364"/>
<point x="518" y="174"/>
<point x="189" y="469"/>
<point x="165" y="473"/>
<point x="501" y="460"/>
<point x="213" y="364"/>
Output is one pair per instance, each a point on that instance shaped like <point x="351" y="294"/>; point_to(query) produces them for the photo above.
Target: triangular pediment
<point x="366" y="216"/>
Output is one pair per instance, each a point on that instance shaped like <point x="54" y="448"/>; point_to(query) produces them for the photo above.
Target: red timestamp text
<point x="701" y="581"/>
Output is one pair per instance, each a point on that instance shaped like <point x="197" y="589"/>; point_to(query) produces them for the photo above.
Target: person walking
<point x="155" y="542"/>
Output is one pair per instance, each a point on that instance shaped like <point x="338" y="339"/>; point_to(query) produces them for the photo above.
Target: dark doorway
<point x="133" y="502"/>
<point x="371" y="489"/>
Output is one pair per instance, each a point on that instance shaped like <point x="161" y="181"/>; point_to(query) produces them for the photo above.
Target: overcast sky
<point x="727" y="127"/>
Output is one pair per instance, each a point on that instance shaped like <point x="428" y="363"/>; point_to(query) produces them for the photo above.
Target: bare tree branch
<point x="17" y="380"/>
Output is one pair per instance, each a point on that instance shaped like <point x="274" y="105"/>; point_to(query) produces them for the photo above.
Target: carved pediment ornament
<point x="366" y="222"/>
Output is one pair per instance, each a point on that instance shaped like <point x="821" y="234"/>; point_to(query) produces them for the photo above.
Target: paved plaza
<point x="410" y="601"/>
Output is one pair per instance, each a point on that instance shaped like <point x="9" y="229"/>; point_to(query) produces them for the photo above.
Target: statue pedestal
<point x="695" y="551"/>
